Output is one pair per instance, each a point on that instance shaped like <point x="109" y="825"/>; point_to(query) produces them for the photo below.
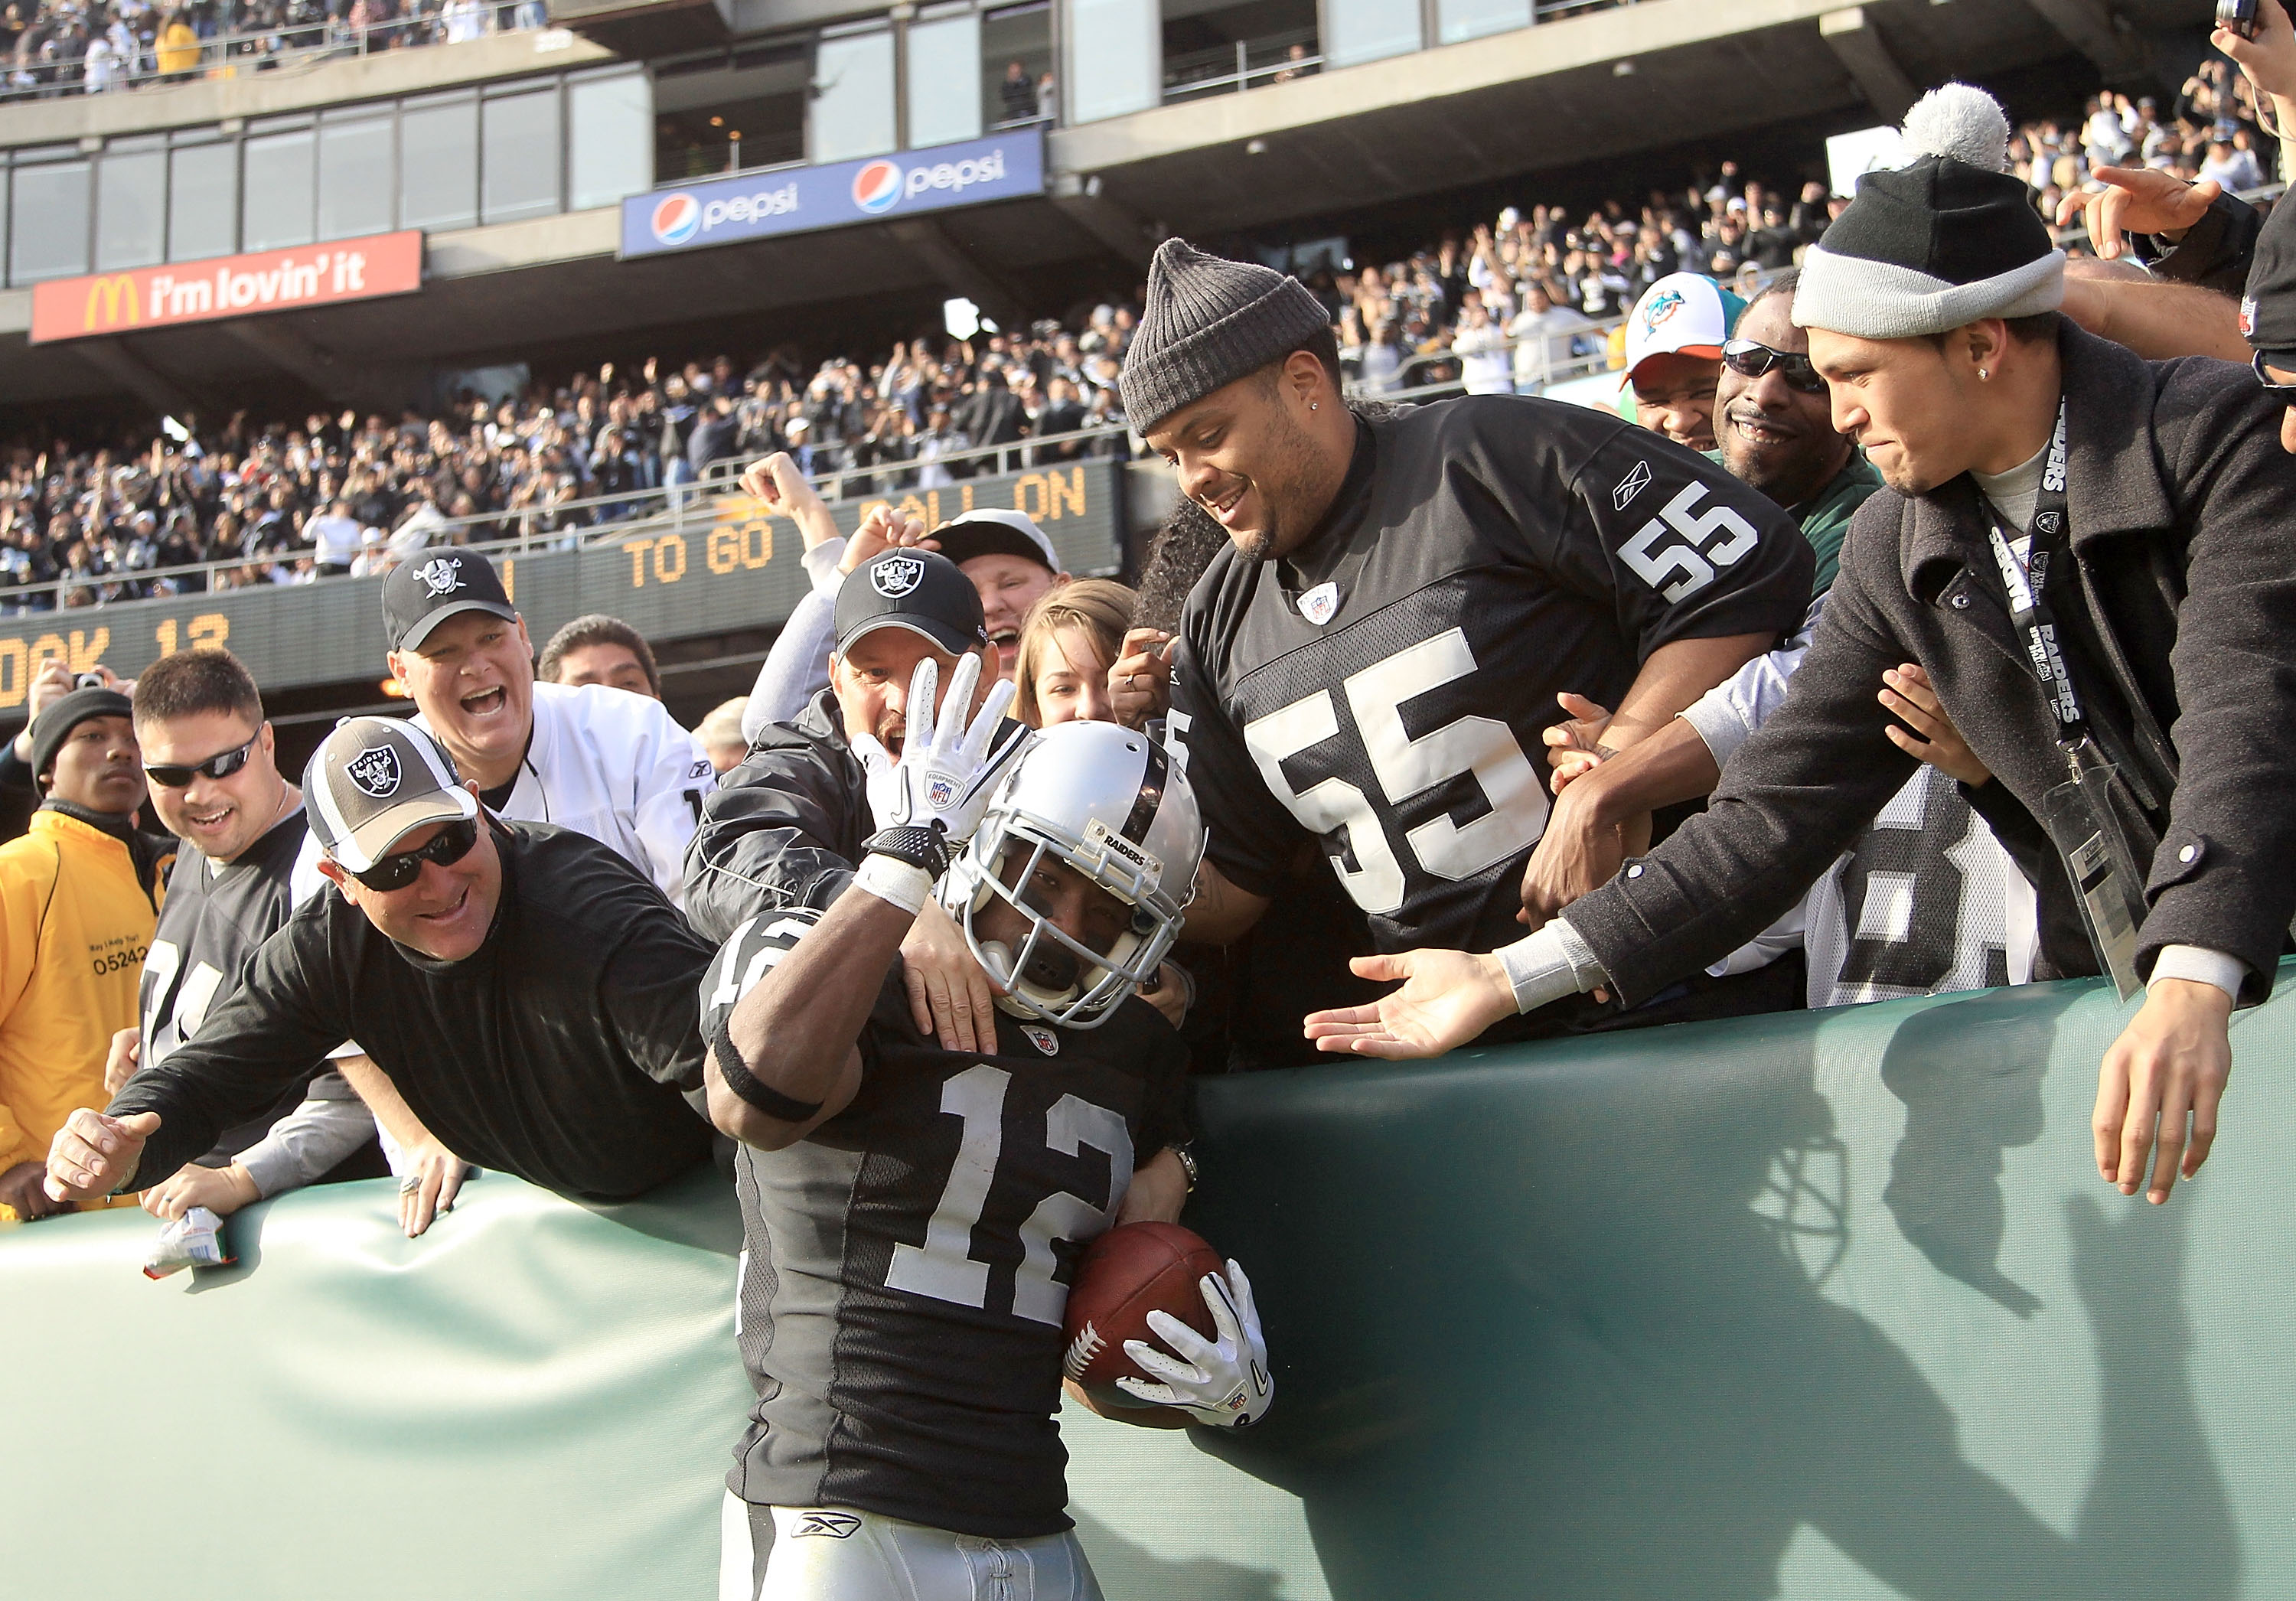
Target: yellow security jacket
<point x="76" y="912"/>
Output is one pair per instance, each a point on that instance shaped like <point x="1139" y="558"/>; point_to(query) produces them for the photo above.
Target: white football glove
<point x="948" y="772"/>
<point x="1225" y="1382"/>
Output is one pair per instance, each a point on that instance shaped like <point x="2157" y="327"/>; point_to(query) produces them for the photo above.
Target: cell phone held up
<point x="2238" y="16"/>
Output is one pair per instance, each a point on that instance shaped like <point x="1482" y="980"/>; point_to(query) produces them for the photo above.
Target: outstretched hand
<point x="1448" y="999"/>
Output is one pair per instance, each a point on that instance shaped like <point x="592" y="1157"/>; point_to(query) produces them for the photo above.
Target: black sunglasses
<point x="448" y="846"/>
<point x="1749" y="358"/>
<point x="222" y="764"/>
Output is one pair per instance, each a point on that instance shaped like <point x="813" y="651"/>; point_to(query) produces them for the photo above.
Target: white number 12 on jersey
<point x="943" y="1266"/>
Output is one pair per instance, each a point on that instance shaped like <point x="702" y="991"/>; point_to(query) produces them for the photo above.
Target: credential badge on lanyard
<point x="2078" y="813"/>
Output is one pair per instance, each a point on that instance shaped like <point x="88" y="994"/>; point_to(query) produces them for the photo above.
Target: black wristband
<point x="743" y="1082"/>
<point x="923" y="848"/>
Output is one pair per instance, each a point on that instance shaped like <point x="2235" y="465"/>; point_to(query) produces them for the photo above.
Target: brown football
<point x="1123" y="1276"/>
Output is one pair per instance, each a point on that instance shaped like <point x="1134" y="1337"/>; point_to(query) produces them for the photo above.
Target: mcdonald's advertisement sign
<point x="222" y="286"/>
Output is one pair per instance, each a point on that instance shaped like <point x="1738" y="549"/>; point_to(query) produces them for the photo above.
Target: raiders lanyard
<point x="2078" y="814"/>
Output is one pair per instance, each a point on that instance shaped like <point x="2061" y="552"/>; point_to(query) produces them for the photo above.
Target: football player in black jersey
<point x="913" y="1211"/>
<point x="1371" y="663"/>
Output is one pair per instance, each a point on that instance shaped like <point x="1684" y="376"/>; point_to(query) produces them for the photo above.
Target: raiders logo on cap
<point x="894" y="576"/>
<point x="375" y="770"/>
<point x="440" y="575"/>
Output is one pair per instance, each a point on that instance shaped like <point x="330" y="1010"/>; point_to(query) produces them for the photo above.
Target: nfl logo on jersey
<point x="1042" y="1038"/>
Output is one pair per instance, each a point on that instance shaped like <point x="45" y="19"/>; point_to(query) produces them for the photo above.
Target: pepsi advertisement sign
<point x="793" y="200"/>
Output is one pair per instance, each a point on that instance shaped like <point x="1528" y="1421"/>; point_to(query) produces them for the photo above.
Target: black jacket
<point x="784" y="829"/>
<point x="2184" y="638"/>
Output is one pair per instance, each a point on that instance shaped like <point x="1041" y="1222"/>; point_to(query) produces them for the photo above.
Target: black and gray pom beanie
<point x="1947" y="239"/>
<point x="1208" y="322"/>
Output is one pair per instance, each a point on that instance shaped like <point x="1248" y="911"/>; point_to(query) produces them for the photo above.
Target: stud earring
<point x="1983" y="377"/>
<point x="1315" y="405"/>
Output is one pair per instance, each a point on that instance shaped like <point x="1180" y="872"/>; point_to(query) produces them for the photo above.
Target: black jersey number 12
<point x="943" y="1266"/>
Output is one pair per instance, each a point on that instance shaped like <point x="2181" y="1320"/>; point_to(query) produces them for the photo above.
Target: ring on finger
<point x="410" y="1184"/>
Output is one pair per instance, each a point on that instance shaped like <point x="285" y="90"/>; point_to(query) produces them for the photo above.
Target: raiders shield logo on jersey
<point x="375" y="770"/>
<point x="1318" y="603"/>
<point x="895" y="575"/>
<point x="440" y="575"/>
<point x="1042" y="1038"/>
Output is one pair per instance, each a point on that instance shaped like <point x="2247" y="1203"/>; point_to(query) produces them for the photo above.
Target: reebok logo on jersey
<point x="894" y="577"/>
<point x="1082" y="1350"/>
<point x="1319" y="604"/>
<point x="440" y="575"/>
<point x="698" y="770"/>
<point x="835" y="1526"/>
<point x="1042" y="1038"/>
<point x="1631" y="486"/>
<point x="375" y="770"/>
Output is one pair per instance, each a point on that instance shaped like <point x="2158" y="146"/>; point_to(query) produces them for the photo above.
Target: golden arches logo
<point x="110" y="291"/>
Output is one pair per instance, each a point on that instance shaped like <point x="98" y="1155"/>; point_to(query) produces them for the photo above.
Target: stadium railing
<point x="1247" y="64"/>
<point x="610" y="518"/>
<point x="266" y="50"/>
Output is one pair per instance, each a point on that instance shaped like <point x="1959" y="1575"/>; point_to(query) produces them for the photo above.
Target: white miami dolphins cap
<point x="1683" y="314"/>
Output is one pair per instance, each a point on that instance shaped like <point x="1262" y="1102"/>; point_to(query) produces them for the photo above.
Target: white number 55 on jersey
<point x="1674" y="542"/>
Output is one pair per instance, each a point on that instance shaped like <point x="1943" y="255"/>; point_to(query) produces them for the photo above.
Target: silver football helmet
<point x="1110" y="803"/>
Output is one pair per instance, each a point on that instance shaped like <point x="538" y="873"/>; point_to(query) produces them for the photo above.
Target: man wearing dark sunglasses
<point x="531" y="994"/>
<point x="209" y="761"/>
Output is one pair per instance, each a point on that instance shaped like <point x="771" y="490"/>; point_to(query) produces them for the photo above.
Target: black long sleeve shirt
<point x="563" y="1050"/>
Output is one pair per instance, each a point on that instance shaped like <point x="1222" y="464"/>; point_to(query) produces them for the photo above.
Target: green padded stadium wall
<point x="1827" y="1306"/>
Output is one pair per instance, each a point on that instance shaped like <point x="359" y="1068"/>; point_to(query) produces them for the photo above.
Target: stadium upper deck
<point x="568" y="189"/>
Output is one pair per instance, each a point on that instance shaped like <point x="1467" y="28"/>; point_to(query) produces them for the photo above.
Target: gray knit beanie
<point x="1208" y="322"/>
<point x="1949" y="238"/>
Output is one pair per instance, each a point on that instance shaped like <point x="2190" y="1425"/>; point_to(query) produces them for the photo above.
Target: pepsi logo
<point x="676" y="219"/>
<point x="877" y="187"/>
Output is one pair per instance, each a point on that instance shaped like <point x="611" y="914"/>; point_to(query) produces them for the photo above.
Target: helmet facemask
<point x="1052" y="975"/>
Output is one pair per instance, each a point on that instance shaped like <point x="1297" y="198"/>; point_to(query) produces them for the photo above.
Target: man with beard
<point x="1372" y="661"/>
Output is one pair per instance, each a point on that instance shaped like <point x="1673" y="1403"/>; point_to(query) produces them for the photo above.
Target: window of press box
<point x="853" y="111"/>
<point x="1458" y="21"/>
<point x="520" y="155"/>
<point x="731" y="111"/>
<point x="356" y="162"/>
<point x="1220" y="47"/>
<point x="278" y="208"/>
<point x="1114" y="51"/>
<point x="608" y="118"/>
<point x="49" y="206"/>
<point x="438" y="162"/>
<point x="1368" y="30"/>
<point x="944" y="76"/>
<point x="202" y="196"/>
<point x="131" y="204"/>
<point x="1016" y="61"/>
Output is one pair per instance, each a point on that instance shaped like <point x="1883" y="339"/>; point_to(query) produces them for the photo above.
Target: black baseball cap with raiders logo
<point x="417" y="596"/>
<point x="911" y="589"/>
<point x="373" y="781"/>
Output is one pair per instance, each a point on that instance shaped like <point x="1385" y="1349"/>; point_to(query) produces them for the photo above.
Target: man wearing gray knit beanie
<point x="1374" y="661"/>
<point x="2082" y="551"/>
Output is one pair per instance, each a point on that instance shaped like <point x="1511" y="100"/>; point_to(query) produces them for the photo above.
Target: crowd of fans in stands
<point x="89" y="46"/>
<point x="1514" y="304"/>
